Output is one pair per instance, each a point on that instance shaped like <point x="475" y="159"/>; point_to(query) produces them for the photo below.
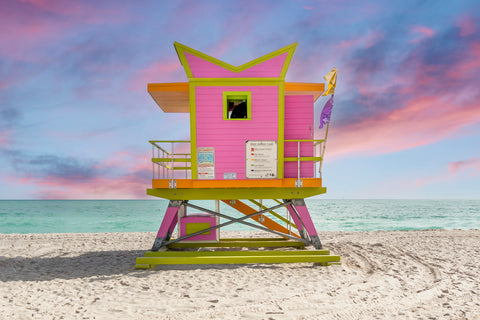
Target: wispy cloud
<point x="472" y="165"/>
<point x="124" y="187"/>
<point x="467" y="25"/>
<point x="455" y="171"/>
<point x="364" y="41"/>
<point x="165" y="71"/>
<point x="29" y="25"/>
<point x="426" y="96"/>
<point x="5" y="138"/>
<point x="421" y="33"/>
<point x="419" y="123"/>
<point x="122" y="176"/>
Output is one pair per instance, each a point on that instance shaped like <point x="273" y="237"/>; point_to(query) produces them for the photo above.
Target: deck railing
<point x="171" y="159"/>
<point x="318" y="149"/>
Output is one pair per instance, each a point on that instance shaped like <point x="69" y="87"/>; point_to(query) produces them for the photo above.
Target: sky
<point x="76" y="117"/>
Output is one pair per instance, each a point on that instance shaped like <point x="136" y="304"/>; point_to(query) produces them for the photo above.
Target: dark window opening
<point x="237" y="109"/>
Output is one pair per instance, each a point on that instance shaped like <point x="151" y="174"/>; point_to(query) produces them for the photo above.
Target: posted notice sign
<point x="206" y="162"/>
<point x="261" y="159"/>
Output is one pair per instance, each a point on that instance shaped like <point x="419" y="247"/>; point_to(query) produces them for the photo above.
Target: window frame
<point x="239" y="94"/>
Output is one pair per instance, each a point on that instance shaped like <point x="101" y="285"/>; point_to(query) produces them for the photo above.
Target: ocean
<point x="87" y="216"/>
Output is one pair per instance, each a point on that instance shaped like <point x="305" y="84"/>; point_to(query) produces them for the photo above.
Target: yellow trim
<point x="182" y="58"/>
<point x="193" y="131"/>
<point x="183" y="86"/>
<point x="148" y="263"/>
<point x="181" y="49"/>
<point x="290" y="159"/>
<point x="236" y="81"/>
<point x="240" y="242"/>
<point x="156" y="160"/>
<point x="236" y="193"/>
<point x="281" y="129"/>
<point x="286" y="64"/>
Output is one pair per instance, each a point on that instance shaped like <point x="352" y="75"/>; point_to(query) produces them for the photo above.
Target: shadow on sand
<point x="98" y="265"/>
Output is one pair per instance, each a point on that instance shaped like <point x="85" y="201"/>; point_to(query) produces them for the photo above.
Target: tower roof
<point x="201" y="65"/>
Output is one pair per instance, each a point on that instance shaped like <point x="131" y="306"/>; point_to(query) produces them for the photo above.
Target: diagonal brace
<point x="234" y="220"/>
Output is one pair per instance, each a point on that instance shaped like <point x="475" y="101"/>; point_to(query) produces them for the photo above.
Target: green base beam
<point x="239" y="243"/>
<point x="235" y="253"/>
<point x="235" y="257"/>
<point x="235" y="193"/>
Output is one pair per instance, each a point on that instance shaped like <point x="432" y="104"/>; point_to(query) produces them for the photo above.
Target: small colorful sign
<point x="261" y="159"/>
<point x="206" y="163"/>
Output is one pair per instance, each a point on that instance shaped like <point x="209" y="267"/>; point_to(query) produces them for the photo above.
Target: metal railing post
<point x="298" y="160"/>
<point x="298" y="183"/>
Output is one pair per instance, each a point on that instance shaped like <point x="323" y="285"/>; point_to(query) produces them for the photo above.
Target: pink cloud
<point x="419" y="104"/>
<point x="232" y="37"/>
<point x="463" y="169"/>
<point x="364" y="41"/>
<point x="469" y="65"/>
<point x="29" y="24"/>
<point x="127" y="162"/>
<point x="5" y="138"/>
<point x="125" y="187"/>
<point x="422" y="33"/>
<point x="81" y="11"/>
<point x="422" y="121"/>
<point x="7" y="83"/>
<point x="472" y="164"/>
<point x="132" y="184"/>
<point x="159" y="72"/>
<point x="467" y="25"/>
<point x="423" y="30"/>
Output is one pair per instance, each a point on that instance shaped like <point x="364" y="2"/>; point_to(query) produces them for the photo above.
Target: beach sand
<point x="384" y="275"/>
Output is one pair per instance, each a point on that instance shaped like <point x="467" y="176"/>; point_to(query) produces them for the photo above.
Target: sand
<point x="384" y="275"/>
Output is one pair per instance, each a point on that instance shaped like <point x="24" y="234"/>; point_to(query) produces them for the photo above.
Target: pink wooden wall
<point x="204" y="69"/>
<point x="228" y="137"/>
<point x="298" y="121"/>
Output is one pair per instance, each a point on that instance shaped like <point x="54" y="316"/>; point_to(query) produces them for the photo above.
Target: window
<point x="237" y="105"/>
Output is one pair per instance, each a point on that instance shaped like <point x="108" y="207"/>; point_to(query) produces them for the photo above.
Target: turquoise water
<point x="65" y="216"/>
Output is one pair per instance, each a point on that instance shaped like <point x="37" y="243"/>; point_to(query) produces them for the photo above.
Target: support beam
<point x="168" y="224"/>
<point x="233" y="220"/>
<point x="298" y="222"/>
<point x="301" y="208"/>
<point x="169" y="258"/>
<point x="269" y="223"/>
<point x="273" y="212"/>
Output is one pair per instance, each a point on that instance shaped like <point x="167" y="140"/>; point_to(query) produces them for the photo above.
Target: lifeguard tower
<point x="252" y="138"/>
